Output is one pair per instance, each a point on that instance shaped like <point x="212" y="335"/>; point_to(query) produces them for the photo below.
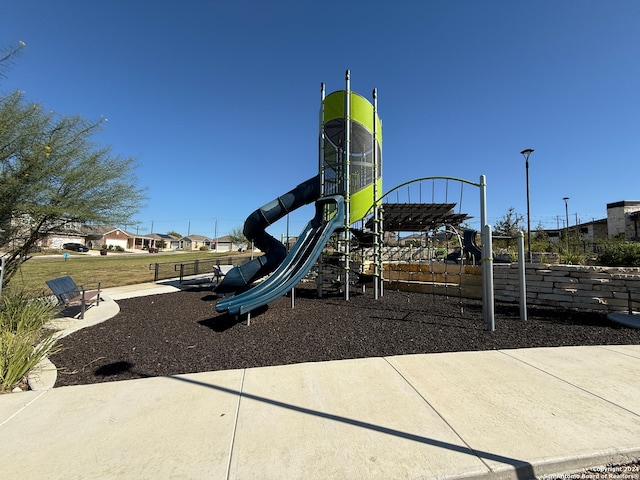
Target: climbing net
<point x="427" y="241"/>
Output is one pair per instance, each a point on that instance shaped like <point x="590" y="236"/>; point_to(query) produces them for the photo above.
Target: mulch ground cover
<point x="181" y="332"/>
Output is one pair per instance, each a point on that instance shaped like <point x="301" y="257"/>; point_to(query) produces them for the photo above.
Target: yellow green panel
<point x="362" y="201"/>
<point x="334" y="106"/>
<point x="362" y="113"/>
<point x="361" y="110"/>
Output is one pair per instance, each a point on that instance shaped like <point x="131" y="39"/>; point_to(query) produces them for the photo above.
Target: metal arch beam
<point x="378" y="201"/>
<point x="422" y="179"/>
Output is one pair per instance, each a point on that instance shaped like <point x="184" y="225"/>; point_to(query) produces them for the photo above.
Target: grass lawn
<point x="110" y="270"/>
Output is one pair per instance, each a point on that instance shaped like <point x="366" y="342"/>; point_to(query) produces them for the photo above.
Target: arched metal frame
<point x="488" y="300"/>
<point x="378" y="219"/>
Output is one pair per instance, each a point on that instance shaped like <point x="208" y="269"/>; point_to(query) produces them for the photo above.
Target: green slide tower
<point x="348" y="182"/>
<point x="350" y="160"/>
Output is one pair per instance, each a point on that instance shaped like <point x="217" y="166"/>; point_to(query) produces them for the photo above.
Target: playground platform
<point x="519" y="414"/>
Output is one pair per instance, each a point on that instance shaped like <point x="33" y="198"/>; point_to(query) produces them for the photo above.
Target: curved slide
<point x="238" y="278"/>
<point x="470" y="246"/>
<point x="295" y="266"/>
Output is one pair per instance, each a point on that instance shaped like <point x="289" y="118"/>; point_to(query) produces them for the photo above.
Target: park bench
<point x="220" y="271"/>
<point x="70" y="295"/>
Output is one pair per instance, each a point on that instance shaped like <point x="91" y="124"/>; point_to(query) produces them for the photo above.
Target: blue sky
<point x="219" y="101"/>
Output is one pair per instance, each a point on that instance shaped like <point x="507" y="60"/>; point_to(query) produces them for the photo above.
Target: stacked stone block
<point x="570" y="286"/>
<point x="566" y="286"/>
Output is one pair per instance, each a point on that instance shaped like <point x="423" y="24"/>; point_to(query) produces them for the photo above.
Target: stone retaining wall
<point x="567" y="286"/>
<point x="570" y="286"/>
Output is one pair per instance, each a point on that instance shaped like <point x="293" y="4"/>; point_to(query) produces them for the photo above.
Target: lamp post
<point x="215" y="233"/>
<point x="525" y="154"/>
<point x="566" y="212"/>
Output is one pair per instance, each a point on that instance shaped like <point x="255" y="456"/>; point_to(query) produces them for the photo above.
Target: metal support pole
<point x="381" y="260"/>
<point x="346" y="181"/>
<point x="566" y="231"/>
<point x="483" y="202"/>
<point x="528" y="216"/>
<point x="376" y="226"/>
<point x="483" y="241"/>
<point x="487" y="280"/>
<point x="488" y="310"/>
<point x="216" y="234"/>
<point x="525" y="154"/>
<point x="321" y="172"/>
<point x="321" y="140"/>
<point x="522" y="277"/>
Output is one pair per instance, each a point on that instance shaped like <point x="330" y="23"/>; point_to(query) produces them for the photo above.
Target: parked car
<point x="75" y="247"/>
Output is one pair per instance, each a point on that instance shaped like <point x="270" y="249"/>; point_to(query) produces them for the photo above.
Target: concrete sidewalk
<point x="496" y="414"/>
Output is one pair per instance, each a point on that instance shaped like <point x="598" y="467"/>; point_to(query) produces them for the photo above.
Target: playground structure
<point x="426" y="246"/>
<point x="350" y="238"/>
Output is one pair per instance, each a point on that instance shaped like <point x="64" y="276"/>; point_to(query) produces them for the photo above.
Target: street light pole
<point x="566" y="212"/>
<point x="215" y="233"/>
<point x="525" y="154"/>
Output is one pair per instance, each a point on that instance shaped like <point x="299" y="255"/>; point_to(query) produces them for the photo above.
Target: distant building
<point x="623" y="221"/>
<point x="195" y="242"/>
<point x="164" y="241"/>
<point x="225" y="244"/>
<point x="96" y="236"/>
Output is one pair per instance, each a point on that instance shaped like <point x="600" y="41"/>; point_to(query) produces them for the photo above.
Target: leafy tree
<point x="173" y="233"/>
<point x="540" y="241"/>
<point x="52" y="175"/>
<point x="237" y="236"/>
<point x="509" y="225"/>
<point x="8" y="54"/>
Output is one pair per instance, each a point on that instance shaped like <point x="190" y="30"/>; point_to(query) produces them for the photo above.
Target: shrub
<point x="204" y="248"/>
<point x="440" y="252"/>
<point x="619" y="254"/>
<point x="573" y="258"/>
<point x="23" y="339"/>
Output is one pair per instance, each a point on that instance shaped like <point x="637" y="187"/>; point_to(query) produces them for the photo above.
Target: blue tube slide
<point x="295" y="266"/>
<point x="469" y="242"/>
<point x="240" y="277"/>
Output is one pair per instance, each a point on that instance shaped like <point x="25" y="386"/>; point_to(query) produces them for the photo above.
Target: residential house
<point x="226" y="244"/>
<point x="60" y="233"/>
<point x="99" y="235"/>
<point x="164" y="241"/>
<point x="70" y="232"/>
<point x="194" y="242"/>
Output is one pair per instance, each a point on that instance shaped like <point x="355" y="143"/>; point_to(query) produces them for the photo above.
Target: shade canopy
<point x="414" y="217"/>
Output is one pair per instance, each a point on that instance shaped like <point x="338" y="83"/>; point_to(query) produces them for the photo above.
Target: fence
<point x="168" y="270"/>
